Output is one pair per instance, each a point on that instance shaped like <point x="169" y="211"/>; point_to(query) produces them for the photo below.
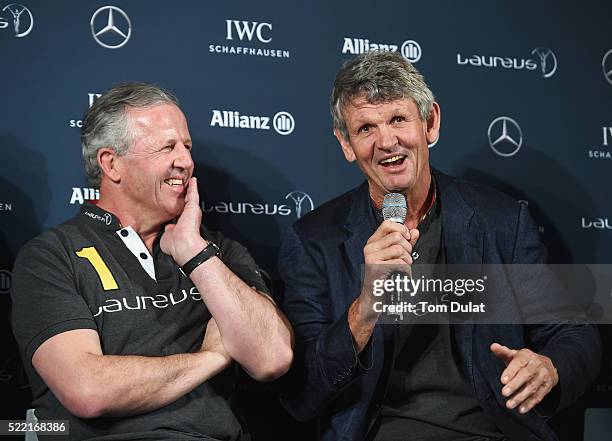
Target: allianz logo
<point x="598" y="223"/>
<point x="80" y="195"/>
<point x="159" y="301"/>
<point x="410" y="49"/>
<point x="357" y="46"/>
<point x="544" y="58"/>
<point x="282" y="122"/>
<point x="302" y="204"/>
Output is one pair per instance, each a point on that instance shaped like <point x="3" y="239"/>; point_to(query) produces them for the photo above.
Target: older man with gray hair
<point x="130" y="315"/>
<point x="445" y="382"/>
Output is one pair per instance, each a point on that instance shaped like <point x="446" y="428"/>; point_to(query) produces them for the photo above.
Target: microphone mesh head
<point x="394" y="207"/>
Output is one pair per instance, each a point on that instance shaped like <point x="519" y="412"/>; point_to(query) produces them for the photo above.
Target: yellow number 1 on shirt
<point x="107" y="279"/>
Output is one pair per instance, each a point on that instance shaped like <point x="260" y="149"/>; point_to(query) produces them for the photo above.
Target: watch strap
<point x="209" y="251"/>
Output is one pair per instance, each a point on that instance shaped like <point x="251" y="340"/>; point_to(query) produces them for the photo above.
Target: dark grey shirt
<point x="427" y="397"/>
<point x="90" y="273"/>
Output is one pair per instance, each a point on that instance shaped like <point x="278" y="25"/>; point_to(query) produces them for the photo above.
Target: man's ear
<point x="109" y="164"/>
<point x="349" y="154"/>
<point x="433" y="123"/>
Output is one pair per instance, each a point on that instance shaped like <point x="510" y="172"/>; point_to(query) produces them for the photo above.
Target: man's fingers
<point x="387" y="227"/>
<point x="531" y="393"/>
<point x="414" y="236"/>
<point x="523" y="376"/>
<point x="505" y="354"/>
<point x="534" y="400"/>
<point x="192" y="196"/>
<point x="390" y="239"/>
<point x="395" y="251"/>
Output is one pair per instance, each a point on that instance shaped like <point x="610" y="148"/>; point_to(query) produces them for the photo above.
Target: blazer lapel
<point x="463" y="238"/>
<point x="464" y="244"/>
<point x="359" y="226"/>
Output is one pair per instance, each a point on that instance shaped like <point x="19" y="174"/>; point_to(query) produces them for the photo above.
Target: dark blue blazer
<point x="320" y="263"/>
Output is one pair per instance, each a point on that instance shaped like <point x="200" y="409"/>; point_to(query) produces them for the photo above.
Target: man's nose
<point x="183" y="157"/>
<point x="386" y="138"/>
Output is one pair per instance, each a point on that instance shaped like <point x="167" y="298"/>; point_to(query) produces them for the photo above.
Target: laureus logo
<point x="21" y="18"/>
<point x="548" y="61"/>
<point x="303" y="202"/>
<point x="544" y="58"/>
<point x="598" y="223"/>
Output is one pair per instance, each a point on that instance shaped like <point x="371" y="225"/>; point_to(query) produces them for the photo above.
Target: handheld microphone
<point x="394" y="209"/>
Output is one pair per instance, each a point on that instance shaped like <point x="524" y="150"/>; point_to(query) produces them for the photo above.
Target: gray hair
<point x="379" y="77"/>
<point x="106" y="123"/>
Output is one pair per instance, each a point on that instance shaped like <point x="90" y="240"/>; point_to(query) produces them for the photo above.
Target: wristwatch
<point x="209" y="251"/>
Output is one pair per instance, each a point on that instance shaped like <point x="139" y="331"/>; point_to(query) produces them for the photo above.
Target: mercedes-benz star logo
<point x="606" y="64"/>
<point x="505" y="136"/>
<point x="111" y="34"/>
<point x="548" y="61"/>
<point x="17" y="11"/>
<point x="298" y="198"/>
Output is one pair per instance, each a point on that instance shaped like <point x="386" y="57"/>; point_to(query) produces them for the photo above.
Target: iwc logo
<point x="77" y="122"/>
<point x="110" y="27"/>
<point x="505" y="136"/>
<point x="18" y="17"/>
<point x="251" y="34"/>
<point x="602" y="152"/>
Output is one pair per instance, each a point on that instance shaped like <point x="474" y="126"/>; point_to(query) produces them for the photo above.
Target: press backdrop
<point x="525" y="89"/>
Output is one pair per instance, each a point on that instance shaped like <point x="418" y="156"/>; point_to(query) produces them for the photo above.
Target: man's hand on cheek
<point x="182" y="240"/>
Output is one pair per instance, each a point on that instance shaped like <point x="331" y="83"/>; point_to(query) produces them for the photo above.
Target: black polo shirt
<point x="91" y="273"/>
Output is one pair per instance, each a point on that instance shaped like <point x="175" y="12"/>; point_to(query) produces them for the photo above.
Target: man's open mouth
<point x="174" y="181"/>
<point x="393" y="161"/>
